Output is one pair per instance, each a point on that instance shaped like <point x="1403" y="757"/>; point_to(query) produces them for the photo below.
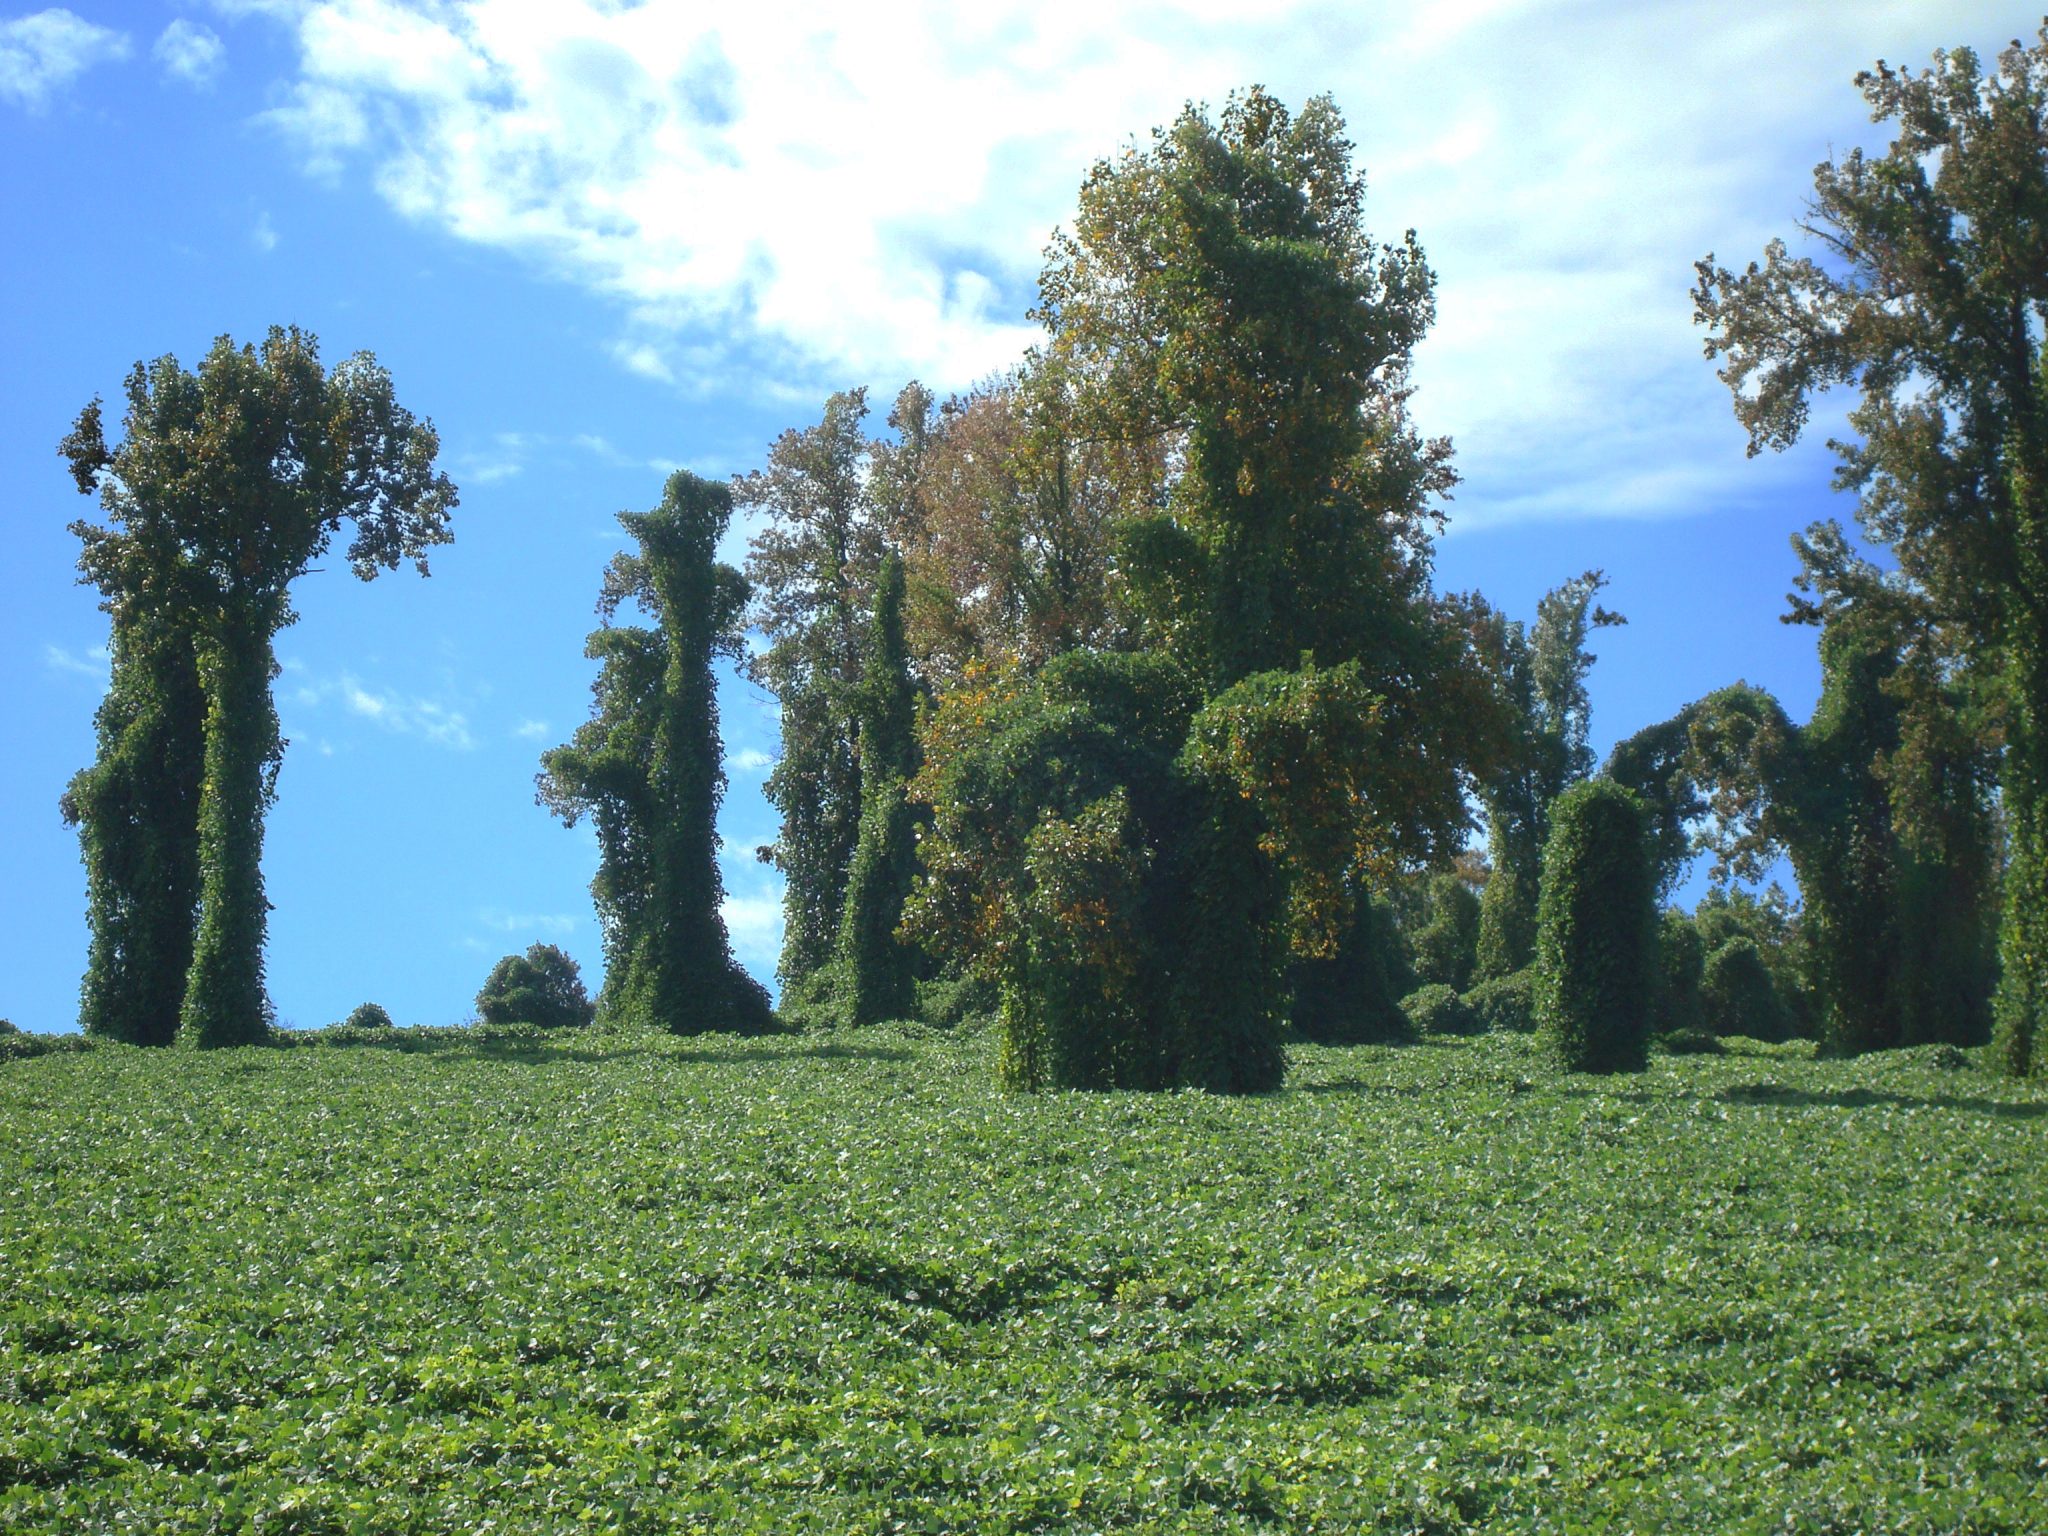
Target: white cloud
<point x="430" y="720"/>
<point x="559" y="924"/>
<point x="264" y="235"/>
<point x="94" y="663"/>
<point x="750" y="760"/>
<point x="191" y="53"/>
<point x="531" y="730"/>
<point x="42" y="53"/>
<point x="804" y="197"/>
<point x="754" y="924"/>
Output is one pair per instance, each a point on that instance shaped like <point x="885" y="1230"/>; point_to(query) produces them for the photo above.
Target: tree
<point x="1932" y="302"/>
<point x="543" y="987"/>
<point x="228" y="484"/>
<point x="1543" y="675"/>
<point x="1889" y="838"/>
<point x="878" y="971"/>
<point x="812" y="569"/>
<point x="647" y="768"/>
<point x="137" y="812"/>
<point x="1596" y="931"/>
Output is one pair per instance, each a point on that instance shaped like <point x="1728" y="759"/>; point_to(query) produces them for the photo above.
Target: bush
<point x="1506" y="1004"/>
<point x="1438" y="1010"/>
<point x="1738" y="997"/>
<point x="7" y="1027"/>
<point x="947" y="1002"/>
<point x="1596" y="930"/>
<point x="543" y="987"/>
<point x="1691" y="1042"/>
<point x="368" y="1016"/>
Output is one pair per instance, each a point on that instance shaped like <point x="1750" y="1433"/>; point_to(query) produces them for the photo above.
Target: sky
<point x="595" y="242"/>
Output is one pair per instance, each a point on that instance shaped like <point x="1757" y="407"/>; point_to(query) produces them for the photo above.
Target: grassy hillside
<point x="723" y="1285"/>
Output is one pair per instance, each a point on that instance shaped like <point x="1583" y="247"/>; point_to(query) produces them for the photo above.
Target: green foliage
<point x="1353" y="997"/>
<point x="845" y="1284"/>
<point x="1506" y="1004"/>
<point x="1436" y="1009"/>
<point x="1737" y="995"/>
<point x="1445" y="946"/>
<point x="1929" y="301"/>
<point x="229" y="482"/>
<point x="646" y="768"/>
<point x="1697" y="1041"/>
<point x="811" y="569"/>
<point x="1681" y="961"/>
<point x="877" y="970"/>
<point x="137" y="813"/>
<point x="1596" y="944"/>
<point x="374" y="1016"/>
<point x="543" y="987"/>
<point x="1130" y="871"/>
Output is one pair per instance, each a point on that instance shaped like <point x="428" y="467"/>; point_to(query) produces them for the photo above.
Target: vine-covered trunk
<point x="137" y="814"/>
<point x="224" y="997"/>
<point x="2022" y="1007"/>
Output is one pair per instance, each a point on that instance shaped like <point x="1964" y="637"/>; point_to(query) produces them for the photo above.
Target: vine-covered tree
<point x="228" y="483"/>
<point x="877" y="970"/>
<point x="646" y="768"/>
<point x="1543" y="675"/>
<point x="812" y="569"/>
<point x="137" y="810"/>
<point x="1930" y="296"/>
<point x="1597" y="979"/>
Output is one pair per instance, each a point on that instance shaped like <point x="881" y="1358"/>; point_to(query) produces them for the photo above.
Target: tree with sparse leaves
<point x="229" y="482"/>
<point x="1929" y="295"/>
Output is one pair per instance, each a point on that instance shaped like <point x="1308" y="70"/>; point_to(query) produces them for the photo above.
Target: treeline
<point x="1116" y="695"/>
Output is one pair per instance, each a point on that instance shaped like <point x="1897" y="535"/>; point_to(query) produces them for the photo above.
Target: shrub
<point x="368" y="1016"/>
<point x="1506" y="1004"/>
<point x="543" y="987"/>
<point x="1690" y="1042"/>
<point x="1681" y="956"/>
<point x="1446" y="947"/>
<point x="7" y="1027"/>
<point x="1438" y="1010"/>
<point x="1738" y="997"/>
<point x="1596" y="930"/>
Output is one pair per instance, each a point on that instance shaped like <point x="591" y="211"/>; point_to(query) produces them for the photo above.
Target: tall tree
<point x="647" y="768"/>
<point x="878" y="971"/>
<point x="228" y="483"/>
<point x="812" y="568"/>
<point x="1931" y="299"/>
<point x="1543" y="674"/>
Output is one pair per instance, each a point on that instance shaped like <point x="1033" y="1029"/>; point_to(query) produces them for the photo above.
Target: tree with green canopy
<point x="646" y="768"/>
<point x="811" y="568"/>
<point x="1929" y="295"/>
<point x="229" y="482"/>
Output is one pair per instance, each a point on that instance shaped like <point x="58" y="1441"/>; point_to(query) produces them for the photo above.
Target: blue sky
<point x="595" y="242"/>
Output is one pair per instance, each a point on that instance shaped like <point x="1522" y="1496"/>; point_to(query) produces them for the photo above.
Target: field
<point x="844" y="1284"/>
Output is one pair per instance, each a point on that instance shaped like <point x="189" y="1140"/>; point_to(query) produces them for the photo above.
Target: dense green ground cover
<point x="845" y="1284"/>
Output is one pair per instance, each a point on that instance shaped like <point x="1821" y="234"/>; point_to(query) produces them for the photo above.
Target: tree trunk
<point x="224" y="997"/>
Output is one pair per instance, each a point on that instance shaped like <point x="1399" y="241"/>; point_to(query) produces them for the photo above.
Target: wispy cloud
<point x="93" y="663"/>
<point x="558" y="924"/>
<point x="431" y="720"/>
<point x="750" y="760"/>
<point x="43" y="52"/>
<point x="191" y="53"/>
<point x="264" y="235"/>
<point x="531" y="730"/>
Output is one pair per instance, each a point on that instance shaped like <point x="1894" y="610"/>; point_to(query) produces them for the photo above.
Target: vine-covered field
<point x="844" y="1284"/>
